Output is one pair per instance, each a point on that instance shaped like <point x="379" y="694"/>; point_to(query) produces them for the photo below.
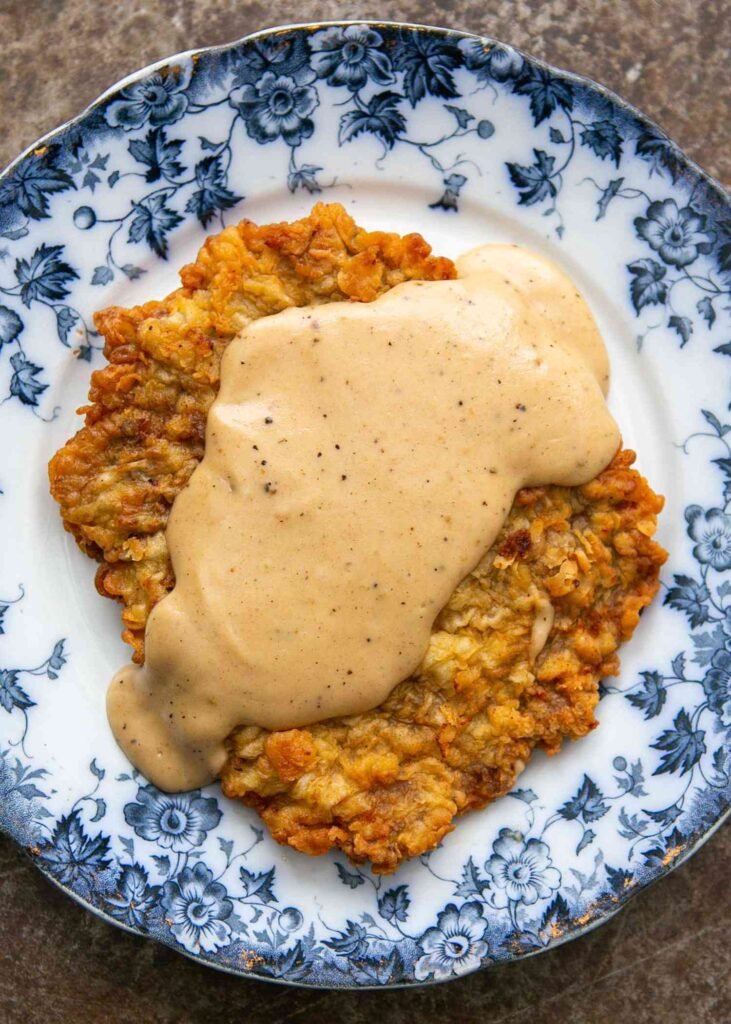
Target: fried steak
<point x="515" y="658"/>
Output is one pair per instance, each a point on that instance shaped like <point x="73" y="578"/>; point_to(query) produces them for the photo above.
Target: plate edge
<point x="723" y="195"/>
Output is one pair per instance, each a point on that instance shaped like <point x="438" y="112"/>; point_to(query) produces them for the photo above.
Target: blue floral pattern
<point x="101" y="203"/>
<point x="521" y="871"/>
<point x="351" y="56"/>
<point x="712" y="532"/>
<point x="455" y="946"/>
<point x="278" y="106"/>
<point x="198" y="907"/>
<point x="677" y="235"/>
<point x="133" y="898"/>
<point x="178" y="822"/>
<point x="159" y="99"/>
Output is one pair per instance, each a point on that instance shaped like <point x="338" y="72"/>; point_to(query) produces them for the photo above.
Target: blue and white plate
<point x="465" y="140"/>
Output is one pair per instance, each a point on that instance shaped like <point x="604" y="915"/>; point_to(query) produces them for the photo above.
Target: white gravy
<point x="360" y="459"/>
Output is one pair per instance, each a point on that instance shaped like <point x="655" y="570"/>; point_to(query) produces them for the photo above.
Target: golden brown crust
<point x="387" y="785"/>
<point x="116" y="480"/>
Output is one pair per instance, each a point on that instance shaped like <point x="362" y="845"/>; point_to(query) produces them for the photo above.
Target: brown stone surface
<point x="667" y="956"/>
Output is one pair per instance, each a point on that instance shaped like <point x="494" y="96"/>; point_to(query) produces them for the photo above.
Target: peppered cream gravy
<point x="360" y="459"/>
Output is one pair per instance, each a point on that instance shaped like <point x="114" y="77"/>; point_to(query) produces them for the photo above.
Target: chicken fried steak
<point x="144" y="433"/>
<point x="386" y="785"/>
<point x="515" y="657"/>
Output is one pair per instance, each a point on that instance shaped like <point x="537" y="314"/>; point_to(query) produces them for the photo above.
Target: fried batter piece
<point x="116" y="480"/>
<point x="386" y="785"/>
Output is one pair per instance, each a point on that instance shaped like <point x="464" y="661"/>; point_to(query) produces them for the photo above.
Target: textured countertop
<point x="667" y="953"/>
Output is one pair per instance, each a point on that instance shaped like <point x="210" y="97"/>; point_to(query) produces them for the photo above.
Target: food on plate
<point x="144" y="430"/>
<point x="325" y="643"/>
<point x="360" y="458"/>
<point x="573" y="566"/>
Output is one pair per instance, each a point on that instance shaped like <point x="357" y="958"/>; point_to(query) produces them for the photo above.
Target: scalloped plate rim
<point x="573" y="932"/>
<point x="568" y="936"/>
<point x="575" y="76"/>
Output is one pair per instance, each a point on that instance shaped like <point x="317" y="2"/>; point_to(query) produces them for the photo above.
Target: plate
<point x="467" y="141"/>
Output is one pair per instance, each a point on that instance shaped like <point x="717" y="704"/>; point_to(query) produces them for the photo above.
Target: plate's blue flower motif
<point x="159" y="154"/>
<point x="177" y="822"/>
<point x="198" y="908"/>
<point x="717" y="686"/>
<point x="290" y="919"/>
<point x="284" y="55"/>
<point x="352" y="942"/>
<point x="23" y="382"/>
<point x="87" y="166"/>
<point x="380" y="117"/>
<point x="682" y="746"/>
<point x="521" y="871"/>
<point x="33" y="182"/>
<point x="212" y="194"/>
<point x="534" y="181"/>
<point x="12" y="694"/>
<point x="711" y="531"/>
<point x="84" y="218"/>
<point x="491" y="62"/>
<point x="10" y="325"/>
<point x="168" y="149"/>
<point x="277" y="106"/>
<point x="456" y="946"/>
<point x="678" y="235"/>
<point x="134" y="898"/>
<point x="724" y="711"/>
<point x="449" y="199"/>
<point x="351" y="56"/>
<point x="71" y="855"/>
<point x="427" y="63"/>
<point x="152" y="222"/>
<point x="546" y="92"/>
<point x="158" y="99"/>
<point x="45" y="276"/>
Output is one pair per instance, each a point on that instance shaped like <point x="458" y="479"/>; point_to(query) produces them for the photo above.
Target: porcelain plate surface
<point x="465" y="140"/>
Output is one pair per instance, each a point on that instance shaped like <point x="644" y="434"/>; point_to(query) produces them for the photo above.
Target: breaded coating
<point x="116" y="480"/>
<point x="386" y="785"/>
<point x="514" y="659"/>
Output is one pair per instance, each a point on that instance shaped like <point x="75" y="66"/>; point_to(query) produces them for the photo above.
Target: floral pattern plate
<point x="465" y="140"/>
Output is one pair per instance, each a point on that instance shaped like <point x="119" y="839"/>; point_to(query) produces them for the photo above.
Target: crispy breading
<point x="116" y="480"/>
<point x="386" y="785"/>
